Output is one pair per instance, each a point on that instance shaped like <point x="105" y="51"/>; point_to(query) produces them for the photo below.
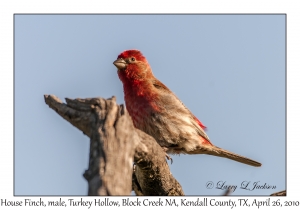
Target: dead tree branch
<point x="281" y="193"/>
<point x="115" y="145"/>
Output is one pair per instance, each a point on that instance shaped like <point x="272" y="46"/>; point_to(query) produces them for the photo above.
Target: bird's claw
<point x="169" y="158"/>
<point x="133" y="167"/>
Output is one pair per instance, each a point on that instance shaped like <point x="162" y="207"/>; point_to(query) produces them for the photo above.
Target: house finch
<point x="156" y="110"/>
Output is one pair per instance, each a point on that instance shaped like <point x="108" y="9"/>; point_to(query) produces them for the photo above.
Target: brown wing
<point x="170" y="97"/>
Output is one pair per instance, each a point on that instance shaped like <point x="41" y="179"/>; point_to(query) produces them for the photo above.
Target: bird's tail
<point x="216" y="151"/>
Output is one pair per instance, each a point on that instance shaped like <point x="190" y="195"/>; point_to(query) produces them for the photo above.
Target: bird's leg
<point x="167" y="156"/>
<point x="134" y="166"/>
<point x="174" y="149"/>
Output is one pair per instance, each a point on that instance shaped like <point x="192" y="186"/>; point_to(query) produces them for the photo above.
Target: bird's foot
<point x="134" y="166"/>
<point x="169" y="158"/>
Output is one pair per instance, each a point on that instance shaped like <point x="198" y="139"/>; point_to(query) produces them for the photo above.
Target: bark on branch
<point x="115" y="144"/>
<point x="281" y="193"/>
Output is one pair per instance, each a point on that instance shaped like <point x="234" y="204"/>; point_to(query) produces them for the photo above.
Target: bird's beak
<point x="120" y="63"/>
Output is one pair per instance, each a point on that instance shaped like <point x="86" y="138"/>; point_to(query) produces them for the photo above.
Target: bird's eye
<point x="132" y="59"/>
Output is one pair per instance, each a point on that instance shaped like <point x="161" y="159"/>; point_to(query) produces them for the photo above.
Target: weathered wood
<point x="281" y="193"/>
<point x="115" y="145"/>
<point x="152" y="173"/>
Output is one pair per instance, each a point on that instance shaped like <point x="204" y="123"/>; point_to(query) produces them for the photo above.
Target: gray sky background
<point x="229" y="70"/>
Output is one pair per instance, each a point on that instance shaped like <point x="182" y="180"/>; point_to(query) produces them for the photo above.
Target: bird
<point x="157" y="111"/>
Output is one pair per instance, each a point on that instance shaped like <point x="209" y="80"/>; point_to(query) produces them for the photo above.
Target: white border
<point x="8" y="8"/>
